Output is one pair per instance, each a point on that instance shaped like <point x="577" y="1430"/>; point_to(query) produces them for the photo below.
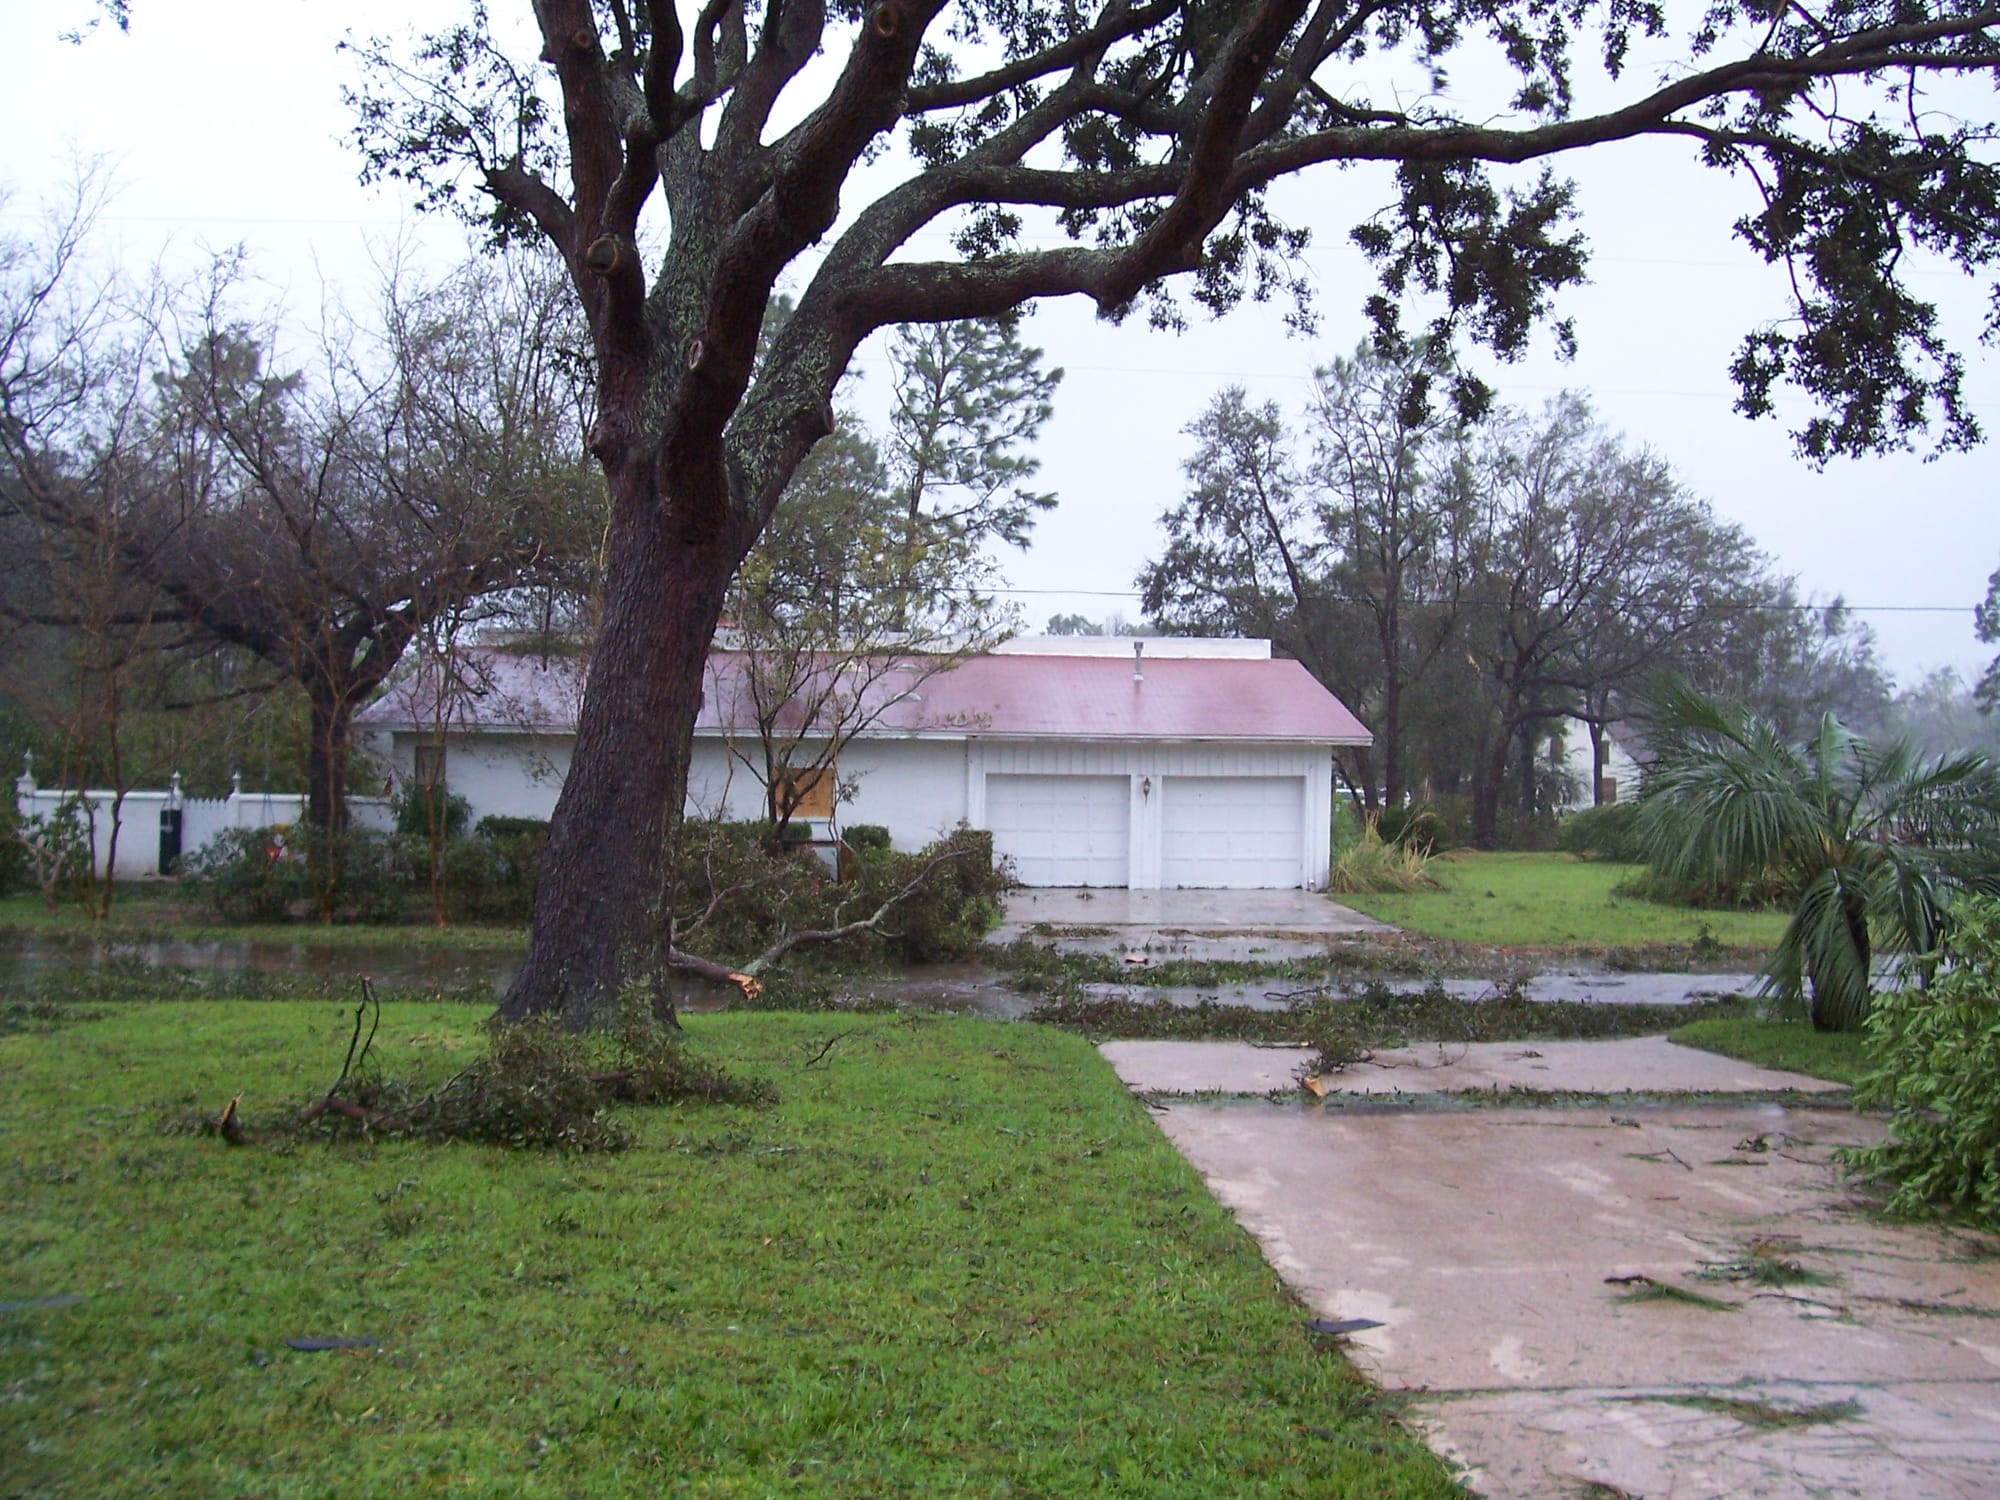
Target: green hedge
<point x="1609" y="832"/>
<point x="1934" y="1058"/>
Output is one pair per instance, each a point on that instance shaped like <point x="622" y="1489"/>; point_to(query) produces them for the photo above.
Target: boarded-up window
<point x="430" y="766"/>
<point x="1607" y="789"/>
<point x="808" y="793"/>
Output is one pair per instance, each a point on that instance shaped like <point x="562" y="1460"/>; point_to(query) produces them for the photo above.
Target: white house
<point x="1623" y="765"/>
<point x="1094" y="761"/>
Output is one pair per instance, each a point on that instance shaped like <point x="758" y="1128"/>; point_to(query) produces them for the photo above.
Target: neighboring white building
<point x="1621" y="768"/>
<point x="158" y="829"/>
<point x="1200" y="763"/>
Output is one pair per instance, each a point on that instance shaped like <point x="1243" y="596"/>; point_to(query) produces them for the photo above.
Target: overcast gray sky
<point x="221" y="122"/>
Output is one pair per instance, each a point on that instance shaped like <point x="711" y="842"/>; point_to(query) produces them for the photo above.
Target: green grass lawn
<point x="955" y="1259"/>
<point x="1792" y="1045"/>
<point x="1555" y="900"/>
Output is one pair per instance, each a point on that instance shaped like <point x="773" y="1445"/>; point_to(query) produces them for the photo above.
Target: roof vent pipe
<point x="1138" y="661"/>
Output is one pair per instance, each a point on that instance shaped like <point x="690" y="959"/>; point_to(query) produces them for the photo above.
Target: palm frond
<point x="1672" y="710"/>
<point x="1907" y="893"/>
<point x="1731" y="812"/>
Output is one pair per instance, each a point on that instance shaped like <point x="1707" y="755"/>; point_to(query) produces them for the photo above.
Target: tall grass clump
<point x="1369" y="866"/>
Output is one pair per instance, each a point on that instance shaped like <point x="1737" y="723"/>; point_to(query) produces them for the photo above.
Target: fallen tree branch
<point x="749" y="978"/>
<point x="368" y="998"/>
<point x="348" y="1109"/>
<point x="873" y="923"/>
<point x="357" y="1053"/>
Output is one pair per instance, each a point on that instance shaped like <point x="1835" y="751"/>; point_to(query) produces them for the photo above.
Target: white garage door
<point x="1232" y="832"/>
<point x="1063" y="830"/>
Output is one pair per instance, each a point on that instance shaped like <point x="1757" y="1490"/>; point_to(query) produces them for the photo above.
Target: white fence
<point x="145" y="819"/>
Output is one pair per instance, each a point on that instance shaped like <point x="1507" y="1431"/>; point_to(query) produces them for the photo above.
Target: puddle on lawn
<point x="941" y="989"/>
<point x="391" y="965"/>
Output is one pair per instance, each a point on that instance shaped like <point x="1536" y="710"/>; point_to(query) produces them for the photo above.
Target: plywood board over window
<point x="808" y="792"/>
<point x="430" y="766"/>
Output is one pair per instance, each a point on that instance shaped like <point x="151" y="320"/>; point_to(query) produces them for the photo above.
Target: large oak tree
<point x="314" y="518"/>
<point x="1149" y="130"/>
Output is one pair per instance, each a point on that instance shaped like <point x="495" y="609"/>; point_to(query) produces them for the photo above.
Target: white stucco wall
<point x="914" y="788"/>
<point x="917" y="788"/>
<point x="500" y="775"/>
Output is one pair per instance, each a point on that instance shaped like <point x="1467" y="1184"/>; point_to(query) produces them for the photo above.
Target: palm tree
<point x="1872" y="842"/>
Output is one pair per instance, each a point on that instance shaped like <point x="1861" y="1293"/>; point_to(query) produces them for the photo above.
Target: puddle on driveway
<point x="1567" y="986"/>
<point x="1169" y="944"/>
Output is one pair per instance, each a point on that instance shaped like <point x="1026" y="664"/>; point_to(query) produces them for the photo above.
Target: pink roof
<point x="1002" y="696"/>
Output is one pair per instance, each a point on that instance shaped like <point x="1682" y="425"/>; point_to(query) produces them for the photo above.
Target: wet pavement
<point x="1211" y="926"/>
<point x="1566" y="986"/>
<point x="1532" y="1269"/>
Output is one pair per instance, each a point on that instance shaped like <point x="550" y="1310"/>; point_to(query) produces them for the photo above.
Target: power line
<point x="1741" y="608"/>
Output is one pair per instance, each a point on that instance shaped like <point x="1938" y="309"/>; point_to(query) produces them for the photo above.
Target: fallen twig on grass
<point x="831" y="1043"/>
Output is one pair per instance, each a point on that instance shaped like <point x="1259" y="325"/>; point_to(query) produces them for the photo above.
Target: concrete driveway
<point x="1181" y="923"/>
<point x="1670" y="1297"/>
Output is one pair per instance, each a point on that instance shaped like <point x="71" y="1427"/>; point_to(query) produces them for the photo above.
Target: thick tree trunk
<point x="327" y="756"/>
<point x="1391" y="742"/>
<point x="601" y="908"/>
<point x="330" y="744"/>
<point x="1597" y="758"/>
<point x="1489" y="785"/>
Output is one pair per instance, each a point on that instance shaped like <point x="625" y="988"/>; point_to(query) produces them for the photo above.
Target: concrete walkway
<point x="1534" y="1269"/>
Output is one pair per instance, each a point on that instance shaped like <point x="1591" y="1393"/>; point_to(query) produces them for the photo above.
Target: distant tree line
<point x="1473" y="588"/>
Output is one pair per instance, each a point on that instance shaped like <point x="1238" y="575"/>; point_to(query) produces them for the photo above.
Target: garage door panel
<point x="1232" y="832"/>
<point x="1063" y="830"/>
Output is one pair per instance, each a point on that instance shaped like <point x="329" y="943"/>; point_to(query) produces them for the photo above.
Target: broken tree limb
<point x="692" y="963"/>
<point x="347" y="1108"/>
<point x="368" y="998"/>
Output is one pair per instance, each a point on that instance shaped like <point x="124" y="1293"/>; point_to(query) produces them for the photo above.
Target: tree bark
<point x="331" y="744"/>
<point x="601" y="911"/>
<point x="1598" y="756"/>
<point x="1489" y="786"/>
<point x="1391" y="740"/>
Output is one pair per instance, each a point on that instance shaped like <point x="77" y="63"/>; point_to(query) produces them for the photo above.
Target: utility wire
<point x="1742" y="608"/>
